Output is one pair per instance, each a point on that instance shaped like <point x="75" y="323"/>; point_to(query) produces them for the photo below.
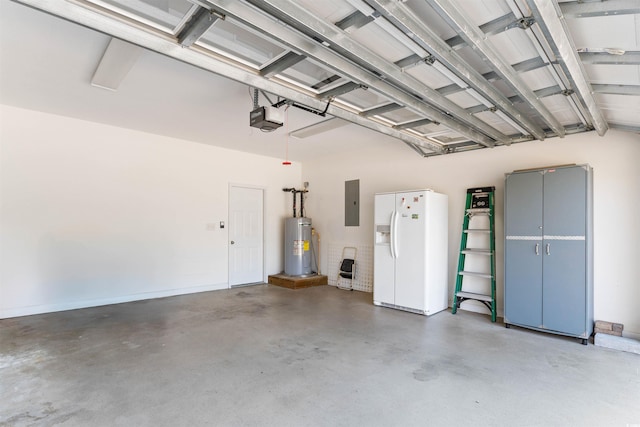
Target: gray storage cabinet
<point x="548" y="280"/>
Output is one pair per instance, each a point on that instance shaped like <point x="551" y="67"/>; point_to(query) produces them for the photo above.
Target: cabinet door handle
<point x="548" y="249"/>
<point x="537" y="248"/>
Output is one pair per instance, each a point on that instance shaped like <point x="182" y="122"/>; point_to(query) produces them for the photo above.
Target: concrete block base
<point x="604" y="327"/>
<point x="617" y="343"/>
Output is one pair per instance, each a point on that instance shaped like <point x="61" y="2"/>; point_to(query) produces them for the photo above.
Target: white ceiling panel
<point x="539" y="78"/>
<point x="401" y="115"/>
<point x="514" y="46"/>
<point x="504" y="88"/>
<point x="527" y="110"/>
<point x="429" y="76"/>
<point x="557" y="104"/>
<point x="307" y="73"/>
<point x="464" y="99"/>
<point x="447" y="137"/>
<point x="605" y="31"/>
<point x="162" y="14"/>
<point x="493" y="120"/>
<point x="475" y="61"/>
<point x="364" y="99"/>
<point x="429" y="16"/>
<point x="613" y="74"/>
<point x="484" y="11"/>
<point x="239" y="43"/>
<point x="387" y="47"/>
<point x="329" y="10"/>
<point x="620" y="109"/>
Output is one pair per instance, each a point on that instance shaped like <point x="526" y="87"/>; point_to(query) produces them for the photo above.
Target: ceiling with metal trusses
<point x="443" y="76"/>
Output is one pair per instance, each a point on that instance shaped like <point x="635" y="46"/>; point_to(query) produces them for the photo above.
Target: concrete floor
<point x="268" y="356"/>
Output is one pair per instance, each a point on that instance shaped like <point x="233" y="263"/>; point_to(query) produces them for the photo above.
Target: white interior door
<point x="246" y="235"/>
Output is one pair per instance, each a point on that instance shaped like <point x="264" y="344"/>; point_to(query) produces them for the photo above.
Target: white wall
<point x="615" y="159"/>
<point x="92" y="214"/>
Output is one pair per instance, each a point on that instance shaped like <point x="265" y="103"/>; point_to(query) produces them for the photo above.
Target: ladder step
<point x="479" y="211"/>
<point x="473" y="274"/>
<point x="477" y="230"/>
<point x="477" y="251"/>
<point x="471" y="295"/>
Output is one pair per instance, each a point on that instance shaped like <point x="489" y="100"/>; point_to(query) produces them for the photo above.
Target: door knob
<point x="233" y="243"/>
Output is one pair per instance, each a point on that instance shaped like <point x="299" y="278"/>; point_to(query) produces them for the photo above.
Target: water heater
<point x="297" y="246"/>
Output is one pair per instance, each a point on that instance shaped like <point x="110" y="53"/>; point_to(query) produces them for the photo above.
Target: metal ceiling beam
<point x="326" y="82"/>
<point x="201" y="20"/>
<point x="476" y="39"/>
<point x="354" y="21"/>
<point x="413" y="124"/>
<point x="380" y="110"/>
<point x="477" y="109"/>
<point x="298" y="16"/>
<point x="318" y="128"/>
<point x="540" y="93"/>
<point x="612" y="89"/>
<point x="550" y="91"/>
<point x="571" y="130"/>
<point x="582" y="9"/>
<point x="409" y="62"/>
<point x="332" y="60"/>
<point x="496" y="26"/>
<point x="402" y="17"/>
<point x="521" y="67"/>
<point x="557" y="36"/>
<point x="627" y="58"/>
<point x="341" y="90"/>
<point x="288" y="60"/>
<point x="206" y="60"/>
<point x="421" y="152"/>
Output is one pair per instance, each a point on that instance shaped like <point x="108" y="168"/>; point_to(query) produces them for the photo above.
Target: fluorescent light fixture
<point x="480" y="98"/>
<point x="507" y="119"/>
<point x="320" y="127"/>
<point x="116" y="62"/>
<point x="449" y="74"/>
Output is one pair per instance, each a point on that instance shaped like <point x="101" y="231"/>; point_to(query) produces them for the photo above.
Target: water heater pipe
<point x="295" y="192"/>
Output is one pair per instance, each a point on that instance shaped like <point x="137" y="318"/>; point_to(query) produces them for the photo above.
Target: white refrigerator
<point x="410" y="251"/>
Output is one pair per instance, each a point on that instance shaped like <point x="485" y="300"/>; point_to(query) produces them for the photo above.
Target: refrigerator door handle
<point x="394" y="234"/>
<point x="391" y="234"/>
